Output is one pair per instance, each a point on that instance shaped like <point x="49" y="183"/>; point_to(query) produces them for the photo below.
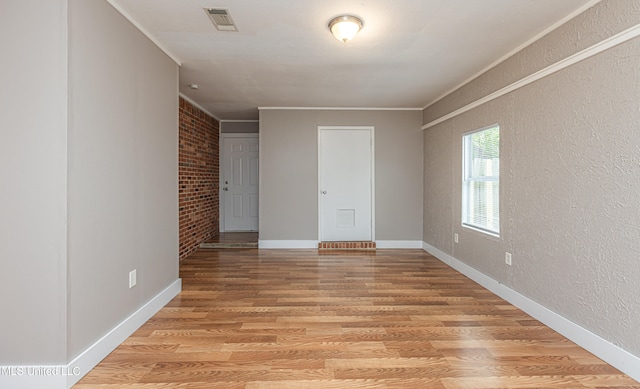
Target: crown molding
<point x="199" y="106"/>
<point x="339" y="109"/>
<point x="144" y="31"/>
<point x="517" y="49"/>
<point x="580" y="56"/>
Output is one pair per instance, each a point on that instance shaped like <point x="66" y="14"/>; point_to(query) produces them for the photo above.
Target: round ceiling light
<point x="345" y="27"/>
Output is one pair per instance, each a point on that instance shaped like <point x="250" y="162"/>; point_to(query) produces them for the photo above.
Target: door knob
<point x="324" y="192"/>
<point x="225" y="189"/>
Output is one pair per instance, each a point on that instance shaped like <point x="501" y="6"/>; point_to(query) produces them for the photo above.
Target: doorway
<point x="239" y="182"/>
<point x="346" y="182"/>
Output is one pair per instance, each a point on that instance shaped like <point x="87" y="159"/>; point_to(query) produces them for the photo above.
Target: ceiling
<point x="409" y="53"/>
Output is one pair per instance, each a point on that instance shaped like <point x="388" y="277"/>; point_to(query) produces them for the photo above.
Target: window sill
<point x="481" y="230"/>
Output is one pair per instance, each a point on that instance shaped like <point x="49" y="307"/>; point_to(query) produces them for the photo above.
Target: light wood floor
<point x="263" y="319"/>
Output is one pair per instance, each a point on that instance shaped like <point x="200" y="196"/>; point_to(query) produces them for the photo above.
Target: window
<point x="481" y="180"/>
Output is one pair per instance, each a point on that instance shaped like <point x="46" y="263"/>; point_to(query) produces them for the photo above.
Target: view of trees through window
<point x="481" y="180"/>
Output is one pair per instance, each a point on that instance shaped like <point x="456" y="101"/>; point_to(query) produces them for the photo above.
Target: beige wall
<point x="570" y="162"/>
<point x="123" y="173"/>
<point x="289" y="171"/>
<point x="33" y="175"/>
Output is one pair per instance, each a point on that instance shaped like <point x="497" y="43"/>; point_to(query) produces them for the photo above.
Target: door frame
<point x="222" y="159"/>
<point x="371" y="130"/>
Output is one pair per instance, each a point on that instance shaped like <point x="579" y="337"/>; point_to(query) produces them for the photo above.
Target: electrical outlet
<point x="132" y="278"/>
<point x="507" y="258"/>
<point x="455" y="238"/>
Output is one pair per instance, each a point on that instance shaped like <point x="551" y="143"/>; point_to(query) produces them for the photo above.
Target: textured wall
<point x="438" y="182"/>
<point x="123" y="175"/>
<point x="590" y="160"/>
<point x="198" y="177"/>
<point x="570" y="162"/>
<point x="289" y="171"/>
<point x="592" y="26"/>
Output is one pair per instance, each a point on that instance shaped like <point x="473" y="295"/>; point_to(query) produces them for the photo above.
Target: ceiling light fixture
<point x="345" y="27"/>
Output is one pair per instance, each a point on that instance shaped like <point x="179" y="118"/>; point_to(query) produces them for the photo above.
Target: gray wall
<point x="123" y="177"/>
<point x="88" y="162"/>
<point x="33" y="174"/>
<point x="289" y="171"/>
<point x="570" y="162"/>
<point x="591" y="27"/>
<point x="239" y="127"/>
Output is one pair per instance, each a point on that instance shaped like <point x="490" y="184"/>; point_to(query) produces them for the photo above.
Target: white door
<point x="239" y="182"/>
<point x="345" y="183"/>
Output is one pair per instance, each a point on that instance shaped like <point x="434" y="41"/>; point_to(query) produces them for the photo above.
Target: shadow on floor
<point x="232" y="240"/>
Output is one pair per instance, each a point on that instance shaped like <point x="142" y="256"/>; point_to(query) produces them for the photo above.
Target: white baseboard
<point x="313" y="244"/>
<point x="398" y="244"/>
<point x="89" y="358"/>
<point x="65" y="376"/>
<point x="603" y="349"/>
<point x="287" y="244"/>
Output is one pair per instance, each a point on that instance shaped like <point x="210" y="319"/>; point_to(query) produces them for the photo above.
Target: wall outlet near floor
<point x="132" y="278"/>
<point x="507" y="258"/>
<point x="455" y="238"/>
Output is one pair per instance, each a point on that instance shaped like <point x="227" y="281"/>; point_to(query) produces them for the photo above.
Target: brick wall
<point x="198" y="177"/>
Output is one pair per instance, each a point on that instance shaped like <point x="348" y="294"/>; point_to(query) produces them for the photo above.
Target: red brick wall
<point x="198" y="177"/>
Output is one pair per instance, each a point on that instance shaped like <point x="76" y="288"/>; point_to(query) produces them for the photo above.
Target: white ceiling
<point x="409" y="53"/>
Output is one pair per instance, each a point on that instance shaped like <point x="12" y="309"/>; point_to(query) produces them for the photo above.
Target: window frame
<point x="467" y="178"/>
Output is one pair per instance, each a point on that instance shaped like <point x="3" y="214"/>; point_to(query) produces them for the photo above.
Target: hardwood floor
<point x="226" y="240"/>
<point x="263" y="319"/>
<point x="234" y="237"/>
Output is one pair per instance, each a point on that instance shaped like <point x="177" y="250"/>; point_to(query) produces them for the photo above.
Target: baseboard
<point x="398" y="244"/>
<point x="65" y="376"/>
<point x="600" y="347"/>
<point x="100" y="349"/>
<point x="313" y="244"/>
<point x="287" y="244"/>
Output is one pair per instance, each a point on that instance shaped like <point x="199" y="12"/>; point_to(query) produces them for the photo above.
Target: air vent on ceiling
<point x="221" y="18"/>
